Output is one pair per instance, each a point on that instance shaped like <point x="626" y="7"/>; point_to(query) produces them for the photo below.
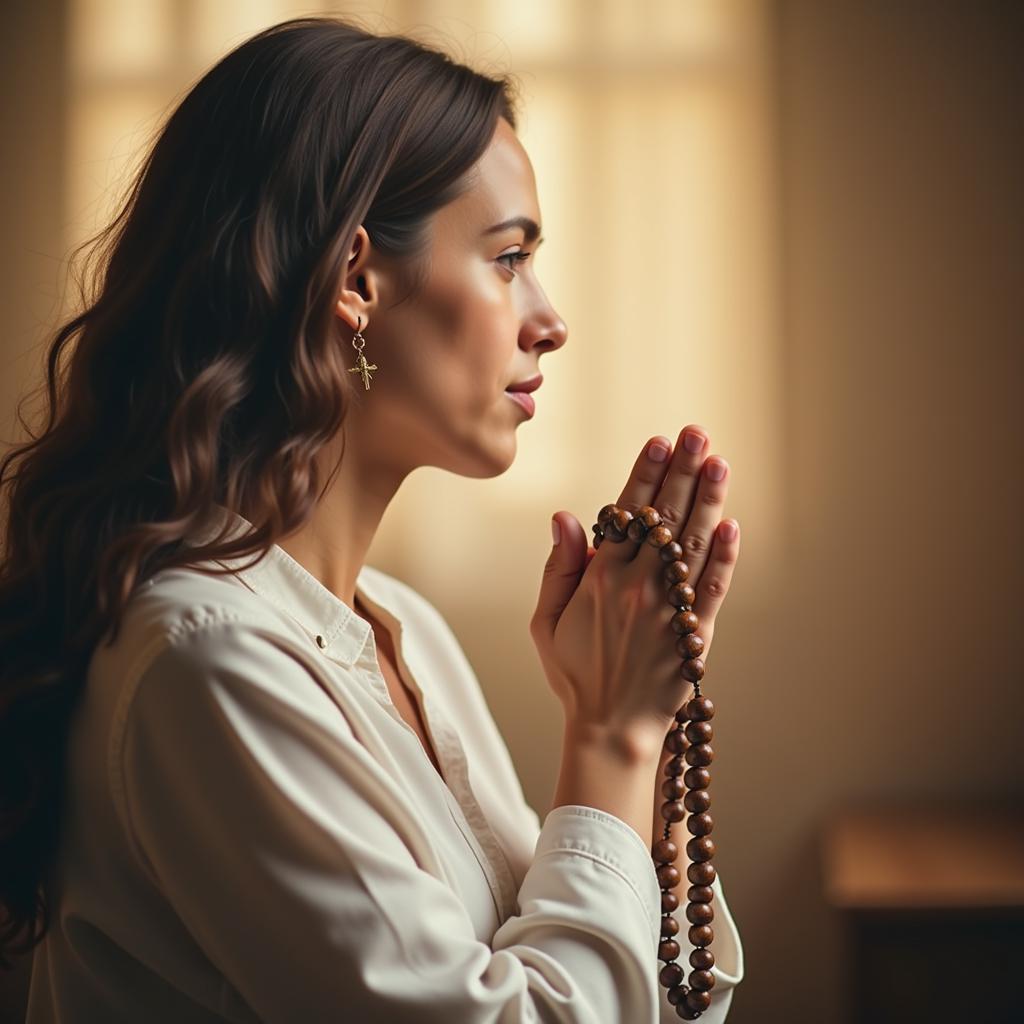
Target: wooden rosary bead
<point x="668" y="876"/>
<point x="669" y="902"/>
<point x="636" y="530"/>
<point x="699" y="755"/>
<point x="699" y="732"/>
<point x="696" y="778"/>
<point x="696" y="800"/>
<point x="700" y="709"/>
<point x="700" y="894"/>
<point x="677" y="993"/>
<point x="689" y="646"/>
<point x="701" y="935"/>
<point x="702" y="981"/>
<point x="673" y="810"/>
<point x="673" y="788"/>
<point x="672" y="552"/>
<point x="676" y="742"/>
<point x="692" y="670"/>
<point x="685" y="1012"/>
<point x="649" y="516"/>
<point x="700" y="848"/>
<point x="645" y="522"/>
<point x="659" y="537"/>
<point x="676" y="571"/>
<point x="668" y="949"/>
<point x="617" y="525"/>
<point x="607" y="511"/>
<point x="698" y="1000"/>
<point x="671" y="974"/>
<point x="676" y="766"/>
<point x="684" y="622"/>
<point x="701" y="873"/>
<point x="665" y="851"/>
<point x="682" y="595"/>
<point x="669" y="926"/>
<point x="700" y="824"/>
<point x="700" y="913"/>
<point x="702" y="959"/>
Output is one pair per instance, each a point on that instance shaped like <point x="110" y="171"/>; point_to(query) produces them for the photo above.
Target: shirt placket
<point x="467" y="813"/>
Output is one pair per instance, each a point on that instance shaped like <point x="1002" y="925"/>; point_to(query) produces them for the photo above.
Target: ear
<point x="359" y="289"/>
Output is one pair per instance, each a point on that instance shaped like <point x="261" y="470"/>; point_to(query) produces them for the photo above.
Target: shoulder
<point x="195" y="626"/>
<point x="177" y="603"/>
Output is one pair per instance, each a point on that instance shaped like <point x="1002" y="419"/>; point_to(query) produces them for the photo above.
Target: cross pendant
<point x="363" y="368"/>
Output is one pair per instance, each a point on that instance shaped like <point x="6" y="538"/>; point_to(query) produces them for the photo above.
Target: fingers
<point x="645" y="480"/>
<point x="714" y="581"/>
<point x="690" y="502"/>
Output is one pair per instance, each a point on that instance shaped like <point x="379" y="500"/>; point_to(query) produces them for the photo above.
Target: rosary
<point x="689" y="741"/>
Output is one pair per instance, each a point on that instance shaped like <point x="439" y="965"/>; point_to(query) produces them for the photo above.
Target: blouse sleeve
<point x="277" y="840"/>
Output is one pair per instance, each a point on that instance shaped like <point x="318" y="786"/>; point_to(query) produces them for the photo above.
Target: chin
<point x="487" y="460"/>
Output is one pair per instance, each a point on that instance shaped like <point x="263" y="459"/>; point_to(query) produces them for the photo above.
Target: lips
<point x="522" y="399"/>
<point x="526" y="386"/>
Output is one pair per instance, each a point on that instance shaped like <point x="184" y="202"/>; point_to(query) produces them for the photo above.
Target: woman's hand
<point x="602" y="623"/>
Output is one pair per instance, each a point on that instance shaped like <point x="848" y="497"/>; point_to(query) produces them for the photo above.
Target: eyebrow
<point x="529" y="226"/>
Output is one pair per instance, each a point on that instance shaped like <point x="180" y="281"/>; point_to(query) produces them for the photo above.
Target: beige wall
<point x="32" y="152"/>
<point x="875" y="662"/>
<point x="889" y="669"/>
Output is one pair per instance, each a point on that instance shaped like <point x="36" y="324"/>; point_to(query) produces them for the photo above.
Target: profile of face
<point x="446" y="355"/>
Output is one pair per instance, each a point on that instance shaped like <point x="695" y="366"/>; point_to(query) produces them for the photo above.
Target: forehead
<point x="502" y="185"/>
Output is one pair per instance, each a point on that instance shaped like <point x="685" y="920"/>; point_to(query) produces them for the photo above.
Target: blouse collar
<point x="296" y="592"/>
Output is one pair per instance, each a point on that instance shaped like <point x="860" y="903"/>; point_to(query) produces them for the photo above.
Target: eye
<point x="518" y="257"/>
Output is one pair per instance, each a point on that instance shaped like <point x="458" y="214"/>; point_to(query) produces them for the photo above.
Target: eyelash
<point x="519" y="257"/>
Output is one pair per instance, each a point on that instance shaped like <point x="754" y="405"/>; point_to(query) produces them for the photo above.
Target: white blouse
<point x="254" y="833"/>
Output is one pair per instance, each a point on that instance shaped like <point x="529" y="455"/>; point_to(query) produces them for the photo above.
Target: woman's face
<point x="479" y="324"/>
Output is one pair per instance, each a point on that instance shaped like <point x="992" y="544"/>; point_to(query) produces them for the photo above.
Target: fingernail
<point x="556" y="532"/>
<point x="657" y="452"/>
<point x="716" y="470"/>
<point x="693" y="442"/>
<point x="727" y="531"/>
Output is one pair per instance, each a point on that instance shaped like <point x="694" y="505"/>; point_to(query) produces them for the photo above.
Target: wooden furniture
<point x="932" y="900"/>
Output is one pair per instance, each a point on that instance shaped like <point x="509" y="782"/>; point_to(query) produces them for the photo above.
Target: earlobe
<point x="353" y="320"/>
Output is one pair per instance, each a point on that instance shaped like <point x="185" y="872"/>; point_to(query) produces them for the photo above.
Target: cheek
<point x="470" y="322"/>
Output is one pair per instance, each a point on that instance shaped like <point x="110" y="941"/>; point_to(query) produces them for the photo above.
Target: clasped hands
<point x="602" y="624"/>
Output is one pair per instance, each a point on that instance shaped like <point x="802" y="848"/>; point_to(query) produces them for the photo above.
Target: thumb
<point x="562" y="571"/>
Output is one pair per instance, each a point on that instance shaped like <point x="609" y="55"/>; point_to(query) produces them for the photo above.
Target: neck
<point x="333" y="543"/>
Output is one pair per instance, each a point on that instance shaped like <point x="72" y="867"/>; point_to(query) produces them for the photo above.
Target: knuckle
<point x="694" y="544"/>
<point x="715" y="586"/>
<point x="710" y="497"/>
<point x="688" y="465"/>
<point x="671" y="515"/>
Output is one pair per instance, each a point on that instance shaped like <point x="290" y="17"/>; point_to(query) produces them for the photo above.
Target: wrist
<point x="633" y="748"/>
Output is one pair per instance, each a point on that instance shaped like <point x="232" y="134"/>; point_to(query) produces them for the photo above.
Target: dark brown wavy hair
<point x="206" y="367"/>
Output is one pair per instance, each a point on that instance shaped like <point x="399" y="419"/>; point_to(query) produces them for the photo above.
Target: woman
<point x="246" y="776"/>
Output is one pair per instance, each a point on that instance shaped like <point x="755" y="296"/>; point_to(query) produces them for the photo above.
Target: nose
<point x="547" y="333"/>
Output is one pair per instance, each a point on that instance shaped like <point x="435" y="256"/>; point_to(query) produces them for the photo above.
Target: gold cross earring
<point x="362" y="366"/>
